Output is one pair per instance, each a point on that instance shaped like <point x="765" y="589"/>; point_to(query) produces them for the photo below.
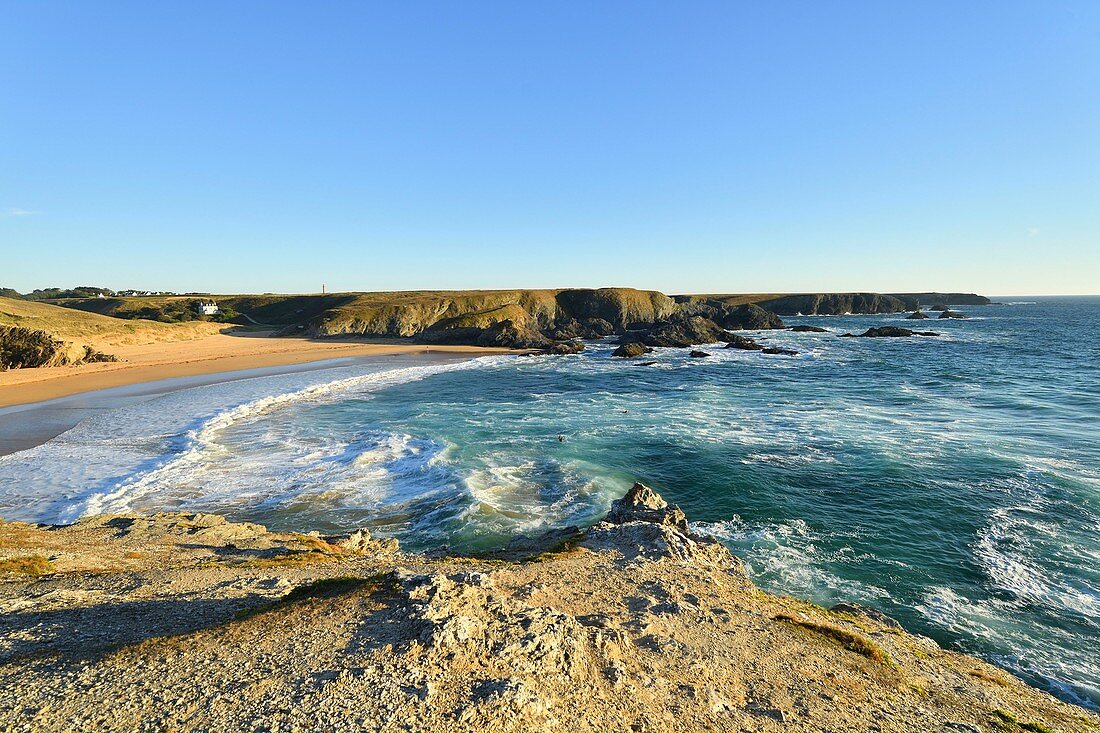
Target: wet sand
<point x="208" y="355"/>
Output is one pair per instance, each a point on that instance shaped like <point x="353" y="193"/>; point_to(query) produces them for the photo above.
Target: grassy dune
<point x="99" y="331"/>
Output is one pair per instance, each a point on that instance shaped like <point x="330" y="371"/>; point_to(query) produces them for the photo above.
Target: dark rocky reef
<point x="916" y="316"/>
<point x="952" y="314"/>
<point x="736" y="341"/>
<point x="889" y="332"/>
<point x="697" y="354"/>
<point x="808" y="329"/>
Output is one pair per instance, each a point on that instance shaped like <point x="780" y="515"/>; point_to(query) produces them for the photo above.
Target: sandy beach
<point x="216" y="353"/>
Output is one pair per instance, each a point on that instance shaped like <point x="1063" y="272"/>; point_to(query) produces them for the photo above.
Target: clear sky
<point x="682" y="146"/>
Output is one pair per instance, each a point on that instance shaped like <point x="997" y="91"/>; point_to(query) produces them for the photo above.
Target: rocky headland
<point x="525" y="319"/>
<point x="190" y="622"/>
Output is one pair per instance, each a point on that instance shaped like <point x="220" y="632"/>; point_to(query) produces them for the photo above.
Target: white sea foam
<point x="202" y="449"/>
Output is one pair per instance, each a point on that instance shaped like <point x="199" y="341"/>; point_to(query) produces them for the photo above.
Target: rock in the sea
<point x="916" y="316"/>
<point x="696" y="354"/>
<point x="779" y="350"/>
<point x="938" y="307"/>
<point x="952" y="314"/>
<point x="891" y="331"/>
<point x="631" y="350"/>
<point x="808" y="329"/>
<point x="645" y="363"/>
<point x="742" y="342"/>
<point x="684" y="331"/>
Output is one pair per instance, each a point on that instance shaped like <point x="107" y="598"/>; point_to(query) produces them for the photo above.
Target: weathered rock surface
<point x="192" y="623"/>
<point x="834" y="304"/>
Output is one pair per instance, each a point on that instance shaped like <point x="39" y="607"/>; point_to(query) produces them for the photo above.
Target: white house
<point x="207" y="307"/>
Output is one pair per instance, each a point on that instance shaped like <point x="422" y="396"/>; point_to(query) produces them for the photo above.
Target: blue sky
<point x="687" y="147"/>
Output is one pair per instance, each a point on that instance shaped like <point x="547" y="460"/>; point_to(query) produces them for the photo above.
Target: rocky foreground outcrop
<point x="189" y="622"/>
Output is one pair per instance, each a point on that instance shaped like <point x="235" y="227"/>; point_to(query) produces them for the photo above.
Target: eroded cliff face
<point x="189" y="622"/>
<point x="834" y="304"/>
<point x="405" y="315"/>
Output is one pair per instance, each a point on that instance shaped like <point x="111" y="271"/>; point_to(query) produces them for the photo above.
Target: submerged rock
<point x="742" y="342"/>
<point x="916" y="316"/>
<point x="696" y="354"/>
<point x="952" y="314"/>
<point x="779" y="350"/>
<point x="631" y="350"/>
<point x="891" y="332"/>
<point x="808" y="329"/>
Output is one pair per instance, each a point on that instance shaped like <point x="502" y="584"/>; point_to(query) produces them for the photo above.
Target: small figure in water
<point x="561" y="438"/>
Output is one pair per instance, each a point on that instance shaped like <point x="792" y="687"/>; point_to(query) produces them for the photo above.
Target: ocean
<point x="952" y="482"/>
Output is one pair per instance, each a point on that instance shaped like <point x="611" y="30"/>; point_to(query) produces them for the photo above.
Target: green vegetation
<point x="31" y="565"/>
<point x="101" y="332"/>
<point x="1005" y="721"/>
<point x="848" y="639"/>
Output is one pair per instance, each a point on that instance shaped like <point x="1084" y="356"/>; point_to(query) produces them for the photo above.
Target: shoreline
<point x="71" y="395"/>
<point x="209" y="355"/>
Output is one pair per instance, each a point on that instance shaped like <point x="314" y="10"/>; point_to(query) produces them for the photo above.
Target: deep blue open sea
<point x="951" y="482"/>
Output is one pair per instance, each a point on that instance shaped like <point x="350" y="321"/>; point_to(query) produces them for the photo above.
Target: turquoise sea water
<point x="952" y="482"/>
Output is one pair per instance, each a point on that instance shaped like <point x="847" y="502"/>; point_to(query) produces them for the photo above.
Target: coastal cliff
<point x="190" y="622"/>
<point x="512" y="318"/>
